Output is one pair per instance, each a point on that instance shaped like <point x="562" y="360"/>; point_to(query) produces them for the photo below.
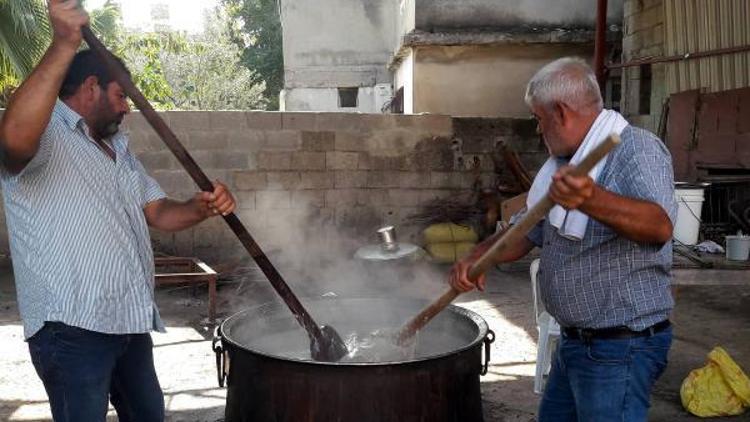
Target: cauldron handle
<point x="218" y="346"/>
<point x="488" y="340"/>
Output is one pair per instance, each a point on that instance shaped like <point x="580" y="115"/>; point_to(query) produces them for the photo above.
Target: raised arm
<point x="31" y="105"/>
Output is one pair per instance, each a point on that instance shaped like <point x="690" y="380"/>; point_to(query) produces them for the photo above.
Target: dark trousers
<point x="83" y="370"/>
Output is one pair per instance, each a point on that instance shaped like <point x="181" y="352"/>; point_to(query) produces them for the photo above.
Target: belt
<point x="588" y="334"/>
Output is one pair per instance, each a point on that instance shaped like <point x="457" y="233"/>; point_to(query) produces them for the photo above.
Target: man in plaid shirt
<point x="606" y="253"/>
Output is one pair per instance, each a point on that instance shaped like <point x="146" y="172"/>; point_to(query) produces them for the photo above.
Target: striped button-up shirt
<point x="78" y="235"/>
<point x="606" y="280"/>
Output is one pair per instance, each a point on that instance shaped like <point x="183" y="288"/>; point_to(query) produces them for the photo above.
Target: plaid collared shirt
<point x="78" y="235"/>
<point x="605" y="280"/>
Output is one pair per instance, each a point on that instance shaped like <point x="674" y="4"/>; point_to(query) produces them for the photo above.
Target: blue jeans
<point x="604" y="380"/>
<point x="82" y="370"/>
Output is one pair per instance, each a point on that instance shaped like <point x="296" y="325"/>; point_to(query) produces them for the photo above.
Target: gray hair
<point x="569" y="80"/>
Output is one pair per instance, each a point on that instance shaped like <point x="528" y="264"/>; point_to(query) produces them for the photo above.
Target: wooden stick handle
<point x="408" y="331"/>
<point x="514" y="234"/>
<point x="205" y="184"/>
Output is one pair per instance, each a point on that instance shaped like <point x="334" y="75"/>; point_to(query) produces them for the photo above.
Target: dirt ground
<point x="713" y="308"/>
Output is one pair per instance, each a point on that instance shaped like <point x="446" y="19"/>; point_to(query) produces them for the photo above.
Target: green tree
<point x="143" y="52"/>
<point x="106" y="22"/>
<point x="24" y="36"/>
<point x="170" y="68"/>
<point x="189" y="72"/>
<point x="256" y="28"/>
<point x="208" y="75"/>
<point x="140" y="51"/>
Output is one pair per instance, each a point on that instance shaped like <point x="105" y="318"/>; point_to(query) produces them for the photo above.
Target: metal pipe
<point x="679" y="57"/>
<point x="600" y="43"/>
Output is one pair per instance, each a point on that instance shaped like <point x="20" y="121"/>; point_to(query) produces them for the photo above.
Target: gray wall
<point x="295" y="172"/>
<point x="497" y="84"/>
<point x="331" y="43"/>
<point x="452" y="14"/>
<point x="347" y="43"/>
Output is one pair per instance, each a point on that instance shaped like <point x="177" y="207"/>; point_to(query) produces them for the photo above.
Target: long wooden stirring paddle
<point x="325" y="343"/>
<point x="514" y="234"/>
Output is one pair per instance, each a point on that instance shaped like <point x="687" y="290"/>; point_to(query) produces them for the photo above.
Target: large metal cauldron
<point x="267" y="380"/>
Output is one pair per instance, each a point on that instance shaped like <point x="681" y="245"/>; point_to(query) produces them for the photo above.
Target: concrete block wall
<point x="349" y="172"/>
<point x="643" y="36"/>
<point x="294" y="172"/>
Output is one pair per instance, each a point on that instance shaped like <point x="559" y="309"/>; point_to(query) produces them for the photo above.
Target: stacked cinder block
<point x="288" y="170"/>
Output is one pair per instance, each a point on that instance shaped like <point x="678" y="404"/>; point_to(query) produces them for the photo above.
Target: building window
<point x="644" y="91"/>
<point x="348" y="97"/>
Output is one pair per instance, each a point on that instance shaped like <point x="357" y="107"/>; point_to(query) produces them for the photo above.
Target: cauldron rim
<point x="481" y="324"/>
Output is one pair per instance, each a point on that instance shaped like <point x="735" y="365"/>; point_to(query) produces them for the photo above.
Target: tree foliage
<point x="208" y="74"/>
<point x="24" y="36"/>
<point x="256" y="28"/>
<point x="140" y="51"/>
<point x="175" y="70"/>
<point x="143" y="52"/>
<point x="172" y="69"/>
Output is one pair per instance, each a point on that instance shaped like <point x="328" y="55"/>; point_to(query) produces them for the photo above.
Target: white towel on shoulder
<point x="572" y="224"/>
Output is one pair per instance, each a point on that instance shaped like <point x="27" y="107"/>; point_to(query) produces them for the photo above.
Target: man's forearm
<point x="634" y="219"/>
<point x="170" y="215"/>
<point x="30" y="108"/>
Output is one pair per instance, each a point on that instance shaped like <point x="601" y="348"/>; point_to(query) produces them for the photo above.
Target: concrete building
<point x="336" y="54"/>
<point x="468" y="58"/>
<point x="473" y="58"/>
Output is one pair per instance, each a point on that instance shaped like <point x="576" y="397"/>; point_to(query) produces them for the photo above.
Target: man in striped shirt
<point x="606" y="252"/>
<point x="78" y="206"/>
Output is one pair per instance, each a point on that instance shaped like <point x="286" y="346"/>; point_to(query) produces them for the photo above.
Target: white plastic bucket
<point x="689" y="204"/>
<point x="738" y="248"/>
